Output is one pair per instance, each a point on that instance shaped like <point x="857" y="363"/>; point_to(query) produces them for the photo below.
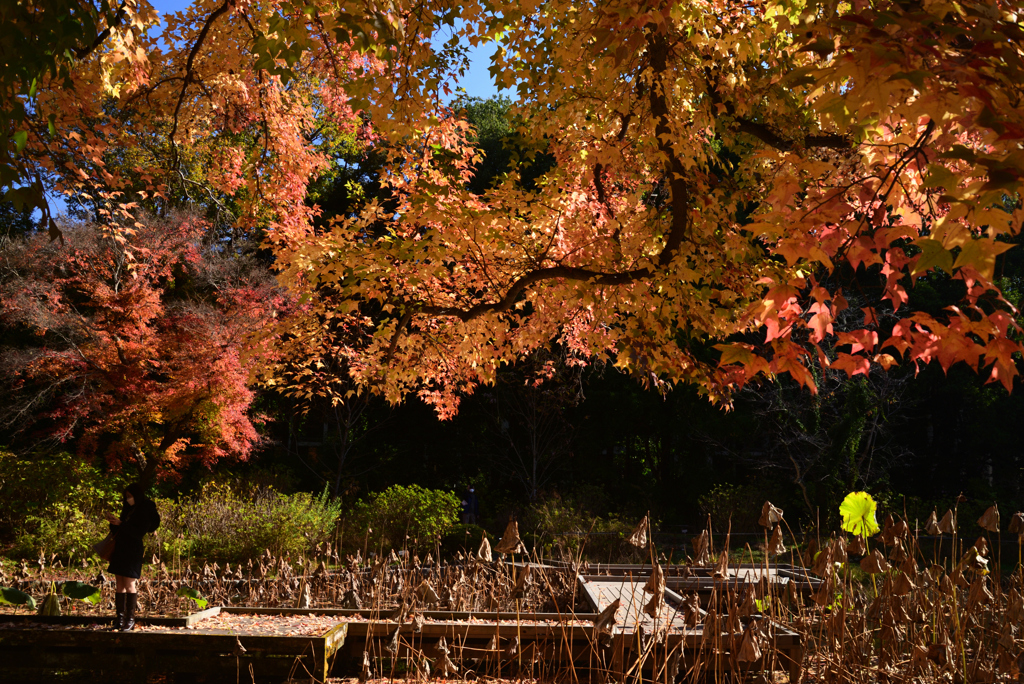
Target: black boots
<point x="130" y="603"/>
<point x="119" y="607"/>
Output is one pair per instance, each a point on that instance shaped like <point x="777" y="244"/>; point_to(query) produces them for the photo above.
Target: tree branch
<point x="525" y="281"/>
<point x="189" y="73"/>
<point x="82" y="53"/>
<point x="767" y="135"/>
<point x="657" y="48"/>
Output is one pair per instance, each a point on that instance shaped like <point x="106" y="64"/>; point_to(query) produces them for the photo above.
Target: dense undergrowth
<point x="52" y="507"/>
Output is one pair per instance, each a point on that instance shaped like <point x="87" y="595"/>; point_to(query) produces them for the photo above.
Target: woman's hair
<point x="136" y="490"/>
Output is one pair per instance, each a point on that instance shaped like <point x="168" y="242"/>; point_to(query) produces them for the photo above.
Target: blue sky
<point x="477" y="82"/>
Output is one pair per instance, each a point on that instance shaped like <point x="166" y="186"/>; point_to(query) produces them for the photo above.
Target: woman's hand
<point x="113" y="519"/>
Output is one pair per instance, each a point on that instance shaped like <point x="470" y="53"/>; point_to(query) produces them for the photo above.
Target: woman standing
<point x="138" y="517"/>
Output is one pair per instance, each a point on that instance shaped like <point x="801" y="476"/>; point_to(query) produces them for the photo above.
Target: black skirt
<point x="126" y="560"/>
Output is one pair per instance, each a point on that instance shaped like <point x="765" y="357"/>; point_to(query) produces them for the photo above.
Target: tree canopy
<point x="724" y="179"/>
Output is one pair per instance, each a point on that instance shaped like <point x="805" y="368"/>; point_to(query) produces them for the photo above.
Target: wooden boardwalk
<point x="601" y="592"/>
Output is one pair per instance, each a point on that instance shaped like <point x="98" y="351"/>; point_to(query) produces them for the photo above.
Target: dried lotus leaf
<point x="655" y="586"/>
<point x="901" y="529"/>
<point x="903" y="585"/>
<point x="823" y="562"/>
<point x="484" y="552"/>
<point x="898" y="554"/>
<point x="750" y="644"/>
<point x="367" y="671"/>
<point x="447" y="668"/>
<point x="655" y="605"/>
<point x="520" y="589"/>
<point x="810" y="553"/>
<point x="980" y="593"/>
<point x="776" y="546"/>
<point x="989" y="520"/>
<point x="888" y="535"/>
<point x="510" y="541"/>
<point x="606" y="620"/>
<point x="701" y="550"/>
<point x="721" y="570"/>
<point x="656" y="580"/>
<point x="939" y="653"/>
<point x="1017" y="525"/>
<point x="874" y="563"/>
<point x="639" y="536"/>
<point x="839" y="554"/>
<point x="770" y="515"/>
<point x="857" y="547"/>
<point x="919" y="658"/>
<point x="1015" y="606"/>
<point x="931" y="525"/>
<point x="948" y="523"/>
<point x="425" y="592"/>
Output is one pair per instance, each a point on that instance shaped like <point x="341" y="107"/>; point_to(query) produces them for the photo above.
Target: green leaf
<point x="15" y="597"/>
<point x="933" y="255"/>
<point x="858" y="511"/>
<point x="81" y="591"/>
<point x="189" y="592"/>
<point x="20" y="140"/>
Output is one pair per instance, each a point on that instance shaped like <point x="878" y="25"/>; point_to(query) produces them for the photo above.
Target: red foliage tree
<point x="135" y="351"/>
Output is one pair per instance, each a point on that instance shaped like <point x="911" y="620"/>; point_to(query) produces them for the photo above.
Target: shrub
<point x="403" y="517"/>
<point x="235" y="523"/>
<point x="54" y="504"/>
<point x="464" y="538"/>
<point x="740" y="504"/>
<point x="557" y="526"/>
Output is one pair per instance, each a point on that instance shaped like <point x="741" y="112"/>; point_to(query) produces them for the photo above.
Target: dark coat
<point x="136" y="522"/>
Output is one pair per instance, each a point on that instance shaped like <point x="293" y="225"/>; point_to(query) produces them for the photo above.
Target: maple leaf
<point x="999" y="354"/>
<point x="933" y="255"/>
<point x="980" y="254"/>
<point x="851" y="364"/>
